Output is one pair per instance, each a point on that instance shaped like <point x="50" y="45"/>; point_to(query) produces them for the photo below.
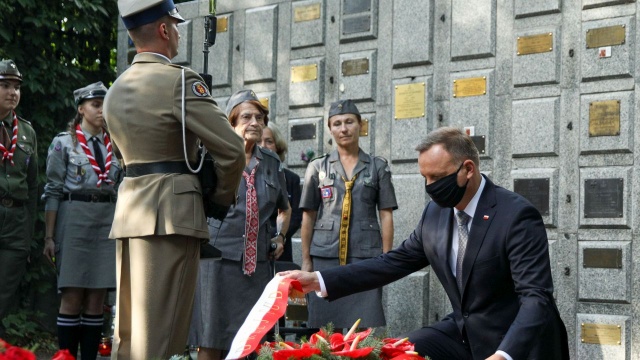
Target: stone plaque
<point x="604" y="118"/>
<point x="606" y="258"/>
<point x="304" y="73"/>
<point x="606" y="36"/>
<point x="306" y="13"/>
<point x="470" y="87"/>
<point x="355" y="6"/>
<point x="479" y="142"/>
<point x="356" y="25"/>
<point x="536" y="191"/>
<point x="535" y="44"/>
<point x="222" y="24"/>
<point x="355" y="67"/>
<point x="303" y="132"/>
<point x="364" y="128"/>
<point x="409" y="101"/>
<point x="264" y="101"/>
<point x="603" y="198"/>
<point x="601" y="334"/>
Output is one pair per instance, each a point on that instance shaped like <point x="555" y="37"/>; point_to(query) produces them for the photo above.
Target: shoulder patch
<point x="199" y="89"/>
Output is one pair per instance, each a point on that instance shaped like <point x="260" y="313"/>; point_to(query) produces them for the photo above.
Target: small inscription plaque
<point x="304" y="73"/>
<point x="603" y="198"/>
<point x="479" y="142"/>
<point x="356" y="25"/>
<point x="601" y="334"/>
<point x="222" y="24"/>
<point x="264" y="101"/>
<point x="355" y="67"/>
<point x="602" y="258"/>
<point x="306" y="13"/>
<point x="606" y="36"/>
<point x="355" y="6"/>
<point x="364" y="127"/>
<point x="535" y="44"/>
<point x="470" y="87"/>
<point x="303" y="132"/>
<point x="604" y="118"/>
<point x="536" y="191"/>
<point x="409" y="101"/>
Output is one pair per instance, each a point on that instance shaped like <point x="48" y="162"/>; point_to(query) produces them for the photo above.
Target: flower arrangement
<point x="307" y="154"/>
<point x="334" y="346"/>
<point x="10" y="352"/>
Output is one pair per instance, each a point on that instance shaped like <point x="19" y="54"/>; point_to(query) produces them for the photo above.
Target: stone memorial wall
<point x="546" y="88"/>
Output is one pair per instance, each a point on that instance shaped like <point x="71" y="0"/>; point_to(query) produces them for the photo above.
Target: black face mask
<point x="446" y="192"/>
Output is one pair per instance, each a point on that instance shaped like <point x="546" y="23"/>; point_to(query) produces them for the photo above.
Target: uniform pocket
<point x="371" y="237"/>
<point x="323" y="233"/>
<point x="271" y="191"/>
<point x="186" y="208"/>
<point x="77" y="168"/>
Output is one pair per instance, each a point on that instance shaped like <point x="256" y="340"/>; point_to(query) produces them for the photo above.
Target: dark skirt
<point x="85" y="256"/>
<point x="344" y="312"/>
<point x="224" y="297"/>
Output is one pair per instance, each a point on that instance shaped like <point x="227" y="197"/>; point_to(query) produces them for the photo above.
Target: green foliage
<point x="24" y="330"/>
<point x="58" y="46"/>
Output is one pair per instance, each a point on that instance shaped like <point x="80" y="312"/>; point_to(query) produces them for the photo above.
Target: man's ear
<point x="163" y="31"/>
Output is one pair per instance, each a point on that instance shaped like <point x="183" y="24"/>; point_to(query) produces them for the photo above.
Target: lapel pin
<point x="486" y="217"/>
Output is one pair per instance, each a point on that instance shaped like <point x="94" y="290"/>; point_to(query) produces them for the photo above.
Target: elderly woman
<point x="80" y="195"/>
<point x="273" y="140"/>
<point x="341" y="194"/>
<point x="227" y="289"/>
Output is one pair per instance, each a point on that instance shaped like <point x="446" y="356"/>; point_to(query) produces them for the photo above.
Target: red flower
<point x="301" y="353"/>
<point x="63" y="355"/>
<point x="395" y="347"/>
<point x="354" y="354"/>
<point x="314" y="338"/>
<point x="408" y="356"/>
<point x="17" y="353"/>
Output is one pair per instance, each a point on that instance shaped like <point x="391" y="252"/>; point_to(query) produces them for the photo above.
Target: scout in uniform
<point x="18" y="186"/>
<point x="80" y="197"/>
<point x="228" y="289"/>
<point x="342" y="191"/>
<point x="159" y="220"/>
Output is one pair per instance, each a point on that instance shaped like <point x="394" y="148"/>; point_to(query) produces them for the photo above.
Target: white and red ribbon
<point x="102" y="176"/>
<point x="8" y="154"/>
<point x="264" y="315"/>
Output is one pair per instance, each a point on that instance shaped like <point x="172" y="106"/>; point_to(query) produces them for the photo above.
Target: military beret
<point x="136" y="13"/>
<point x="343" y="107"/>
<point x="239" y="97"/>
<point x="9" y="70"/>
<point x="95" y="90"/>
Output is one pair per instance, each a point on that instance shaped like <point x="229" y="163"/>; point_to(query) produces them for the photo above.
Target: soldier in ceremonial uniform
<point x="18" y="186"/>
<point x="341" y="194"/>
<point x="159" y="220"/>
<point x="80" y="195"/>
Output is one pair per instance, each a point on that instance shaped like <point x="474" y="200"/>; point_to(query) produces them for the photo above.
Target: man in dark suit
<point x="490" y="252"/>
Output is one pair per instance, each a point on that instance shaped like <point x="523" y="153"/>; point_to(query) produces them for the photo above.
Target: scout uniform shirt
<point x="324" y="191"/>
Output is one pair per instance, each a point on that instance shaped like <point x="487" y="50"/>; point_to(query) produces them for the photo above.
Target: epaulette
<point x="24" y="120"/>
<point x="269" y="152"/>
<point x="63" y="133"/>
<point x="319" y="157"/>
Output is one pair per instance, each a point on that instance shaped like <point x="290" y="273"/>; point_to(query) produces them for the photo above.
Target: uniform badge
<point x="24" y="137"/>
<point x="83" y="171"/>
<point x="321" y="175"/>
<point x="79" y="178"/>
<point x="58" y="147"/>
<point x="327" y="192"/>
<point x="199" y="89"/>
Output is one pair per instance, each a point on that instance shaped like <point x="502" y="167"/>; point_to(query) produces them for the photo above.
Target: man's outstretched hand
<point x="308" y="280"/>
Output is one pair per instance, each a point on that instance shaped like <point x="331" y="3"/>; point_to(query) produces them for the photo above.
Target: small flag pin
<point x="486" y="217"/>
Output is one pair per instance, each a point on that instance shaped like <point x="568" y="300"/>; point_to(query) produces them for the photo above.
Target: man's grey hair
<point x="455" y="141"/>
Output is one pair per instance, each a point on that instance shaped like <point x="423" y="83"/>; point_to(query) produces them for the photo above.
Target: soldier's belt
<point x="161" y="167"/>
<point x="9" y="202"/>
<point x="89" y="197"/>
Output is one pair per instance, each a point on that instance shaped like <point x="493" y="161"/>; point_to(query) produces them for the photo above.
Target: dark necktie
<point x="97" y="153"/>
<point x="463" y="237"/>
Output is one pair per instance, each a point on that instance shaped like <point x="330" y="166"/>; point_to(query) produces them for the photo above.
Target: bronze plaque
<point x="604" y="118"/>
<point x="535" y="44"/>
<point x="536" y="191"/>
<point x="470" y="87"/>
<point x="479" y="142"/>
<point x="601" y="334"/>
<point x="304" y="73"/>
<point x="306" y="13"/>
<point x="303" y="132"/>
<point x="356" y="25"/>
<point x="264" y="102"/>
<point x="222" y="24"/>
<point x="355" y="6"/>
<point x="606" y="36"/>
<point x="355" y="67"/>
<point x="603" y="198"/>
<point x="364" y="128"/>
<point x="409" y="100"/>
<point x="602" y="258"/>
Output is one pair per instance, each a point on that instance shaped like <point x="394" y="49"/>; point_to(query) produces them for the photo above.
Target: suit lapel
<point x="482" y="219"/>
<point x="443" y="247"/>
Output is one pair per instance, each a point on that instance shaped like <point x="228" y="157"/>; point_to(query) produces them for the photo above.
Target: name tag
<point x="327" y="192"/>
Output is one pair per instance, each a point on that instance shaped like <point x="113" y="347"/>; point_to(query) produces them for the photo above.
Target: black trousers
<point x="438" y="345"/>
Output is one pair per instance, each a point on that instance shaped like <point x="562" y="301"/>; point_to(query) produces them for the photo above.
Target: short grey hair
<point x="455" y="141"/>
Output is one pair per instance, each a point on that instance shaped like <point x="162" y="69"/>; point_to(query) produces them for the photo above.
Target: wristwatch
<point x="281" y="234"/>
